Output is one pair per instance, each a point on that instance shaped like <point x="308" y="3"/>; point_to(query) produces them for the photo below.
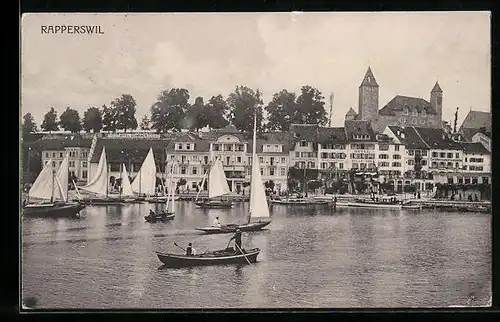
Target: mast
<point x="29" y="173"/>
<point x="52" y="194"/>
<point x="331" y="110"/>
<point x="254" y="156"/>
<point x="164" y="168"/>
<point x="107" y="178"/>
<point x="121" y="179"/>
<point x="67" y="184"/>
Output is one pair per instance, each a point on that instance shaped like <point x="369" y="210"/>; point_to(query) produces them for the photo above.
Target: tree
<point x="29" y="125"/>
<point x="215" y="112"/>
<point x="310" y="107"/>
<point x="50" y="121"/>
<point x="196" y="116"/>
<point x="169" y="110"/>
<point x="70" y="120"/>
<point x="269" y="184"/>
<point x="145" y="123"/>
<point x="282" y="111"/>
<point x="242" y="103"/>
<point x="92" y="120"/>
<point x="109" y="118"/>
<point x="124" y="107"/>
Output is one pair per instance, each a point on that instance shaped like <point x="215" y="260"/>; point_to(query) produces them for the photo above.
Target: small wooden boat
<point x="163" y="216"/>
<point x="218" y="257"/>
<point x="299" y="201"/>
<point x="215" y="204"/>
<point x="231" y="228"/>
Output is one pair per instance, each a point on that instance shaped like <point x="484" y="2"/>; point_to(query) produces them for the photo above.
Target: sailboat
<point x="99" y="185"/>
<point x="52" y="186"/>
<point x="217" y="188"/>
<point x="169" y="212"/>
<point x="144" y="184"/>
<point x="259" y="208"/>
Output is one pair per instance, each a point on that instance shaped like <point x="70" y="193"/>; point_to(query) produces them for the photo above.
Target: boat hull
<point x="215" y="204"/>
<point x="213" y="258"/>
<point x="106" y="201"/>
<point x="373" y="205"/>
<point x="301" y="202"/>
<point x="160" y="217"/>
<point x="53" y="210"/>
<point x="231" y="228"/>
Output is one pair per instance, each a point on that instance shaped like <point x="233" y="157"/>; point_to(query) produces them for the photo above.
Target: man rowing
<point x="216" y="222"/>
<point x="237" y="240"/>
<point x="190" y="251"/>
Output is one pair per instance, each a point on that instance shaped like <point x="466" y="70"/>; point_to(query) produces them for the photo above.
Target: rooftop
<point x="399" y="102"/>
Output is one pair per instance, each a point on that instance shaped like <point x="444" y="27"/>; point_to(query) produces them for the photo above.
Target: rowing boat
<point x="218" y="257"/>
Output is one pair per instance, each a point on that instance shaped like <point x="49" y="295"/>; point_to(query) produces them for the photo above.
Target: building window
<point x="71" y="163"/>
<point x="396" y="147"/>
<point x="183" y="170"/>
<point x="46" y="154"/>
<point x="84" y="174"/>
<point x="283" y="160"/>
<point x="283" y="172"/>
<point x="423" y="162"/>
<point x="383" y="156"/>
<point x="434" y="154"/>
<point x="271" y="171"/>
<point x="396" y="164"/>
<point x="383" y="147"/>
<point x="194" y="170"/>
<point x="467" y="180"/>
<point x="411" y="162"/>
<point x="450" y="155"/>
<point x="303" y="143"/>
<point x="297" y="154"/>
<point x="84" y="164"/>
<point x="194" y="185"/>
<point x="238" y="159"/>
<point x="457" y="155"/>
<point x="195" y="158"/>
<point x="261" y="171"/>
<point x="61" y="155"/>
<point x="474" y="180"/>
<point x="53" y="154"/>
<point x="396" y="157"/>
<point x="261" y="159"/>
<point x="188" y="146"/>
<point x="180" y="146"/>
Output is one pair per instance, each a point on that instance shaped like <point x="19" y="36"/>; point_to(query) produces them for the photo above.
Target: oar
<point x="243" y="253"/>
<point x="179" y="246"/>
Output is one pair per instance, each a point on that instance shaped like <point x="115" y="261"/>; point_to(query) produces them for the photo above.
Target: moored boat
<point x="53" y="186"/>
<point x="219" y="257"/>
<point x="169" y="212"/>
<point x="217" y="189"/>
<point x="376" y="203"/>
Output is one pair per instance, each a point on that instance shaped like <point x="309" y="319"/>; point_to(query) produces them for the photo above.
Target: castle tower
<point x="437" y="101"/>
<point x="368" y="97"/>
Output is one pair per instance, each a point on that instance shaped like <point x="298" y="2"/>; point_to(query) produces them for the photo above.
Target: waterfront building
<point x="56" y="147"/>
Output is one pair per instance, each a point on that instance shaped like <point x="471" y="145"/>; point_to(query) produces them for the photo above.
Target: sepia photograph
<point x="255" y="160"/>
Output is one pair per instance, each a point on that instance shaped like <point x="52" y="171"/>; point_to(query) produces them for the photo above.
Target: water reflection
<point x="309" y="257"/>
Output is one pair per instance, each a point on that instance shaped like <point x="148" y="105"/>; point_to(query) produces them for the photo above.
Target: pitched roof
<point x="60" y="143"/>
<point x="409" y="137"/>
<point x="436" y="88"/>
<point x="476" y="120"/>
<point x="359" y="127"/>
<point x="437" y="138"/>
<point x="331" y="135"/>
<point x="271" y="138"/>
<point x="369" y="79"/>
<point x="474" y="147"/>
<point x="134" y="150"/>
<point x="351" y="112"/>
<point x="300" y="132"/>
<point x="398" y="103"/>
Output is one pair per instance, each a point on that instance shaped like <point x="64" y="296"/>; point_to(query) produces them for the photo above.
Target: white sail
<point x="62" y="176"/>
<point x="145" y="180"/>
<point x="217" y="181"/>
<point x="99" y="183"/>
<point x="45" y="185"/>
<point x="258" y="200"/>
<point x="126" y="186"/>
<point x="200" y="187"/>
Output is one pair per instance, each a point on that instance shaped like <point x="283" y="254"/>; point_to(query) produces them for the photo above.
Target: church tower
<point x="368" y="97"/>
<point x="437" y="102"/>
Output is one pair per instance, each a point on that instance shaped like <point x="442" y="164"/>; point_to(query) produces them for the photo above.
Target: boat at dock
<point x="219" y="257"/>
<point x="52" y="189"/>
<point x="384" y="202"/>
<point x="299" y="201"/>
<point x="217" y="189"/>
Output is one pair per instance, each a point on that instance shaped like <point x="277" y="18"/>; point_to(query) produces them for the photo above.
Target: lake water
<point x="310" y="257"/>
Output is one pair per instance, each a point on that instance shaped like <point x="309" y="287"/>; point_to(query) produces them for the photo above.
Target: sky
<point x="212" y="53"/>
